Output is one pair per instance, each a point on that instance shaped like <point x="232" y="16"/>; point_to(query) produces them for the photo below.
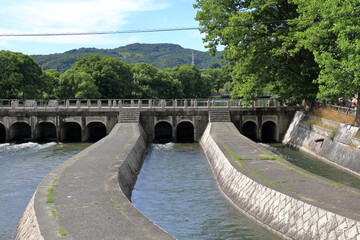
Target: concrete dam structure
<point x="89" y="195"/>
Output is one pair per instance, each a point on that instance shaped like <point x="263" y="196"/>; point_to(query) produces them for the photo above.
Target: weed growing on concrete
<point x="62" y="232"/>
<point x="53" y="212"/>
<point x="50" y="195"/>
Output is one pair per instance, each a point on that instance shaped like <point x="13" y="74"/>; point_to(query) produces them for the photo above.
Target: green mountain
<point x="158" y="55"/>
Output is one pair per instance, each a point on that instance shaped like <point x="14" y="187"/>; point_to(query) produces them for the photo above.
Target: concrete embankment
<point x="82" y="199"/>
<point x="337" y="146"/>
<point x="292" y="202"/>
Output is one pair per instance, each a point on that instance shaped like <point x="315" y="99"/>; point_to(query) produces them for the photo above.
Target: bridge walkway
<point x="270" y="170"/>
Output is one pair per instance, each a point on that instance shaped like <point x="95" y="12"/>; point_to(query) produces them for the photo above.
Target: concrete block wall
<point x="329" y="148"/>
<point x="290" y="217"/>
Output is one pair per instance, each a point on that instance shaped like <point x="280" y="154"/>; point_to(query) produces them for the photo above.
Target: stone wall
<point x="286" y="215"/>
<point x="340" y="149"/>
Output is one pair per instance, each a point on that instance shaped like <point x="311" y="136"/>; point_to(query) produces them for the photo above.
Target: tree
<point x="112" y="76"/>
<point x="259" y="46"/>
<point x="216" y="78"/>
<point x="149" y="82"/>
<point x="20" y="76"/>
<point x="51" y="78"/>
<point x="330" y="29"/>
<point x="194" y="86"/>
<point x="75" y="84"/>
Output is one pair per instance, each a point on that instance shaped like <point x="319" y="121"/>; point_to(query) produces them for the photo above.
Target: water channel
<point x="175" y="188"/>
<point x="22" y="167"/>
<point x="177" y="191"/>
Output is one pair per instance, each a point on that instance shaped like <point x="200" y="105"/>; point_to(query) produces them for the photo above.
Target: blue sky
<point x="67" y="16"/>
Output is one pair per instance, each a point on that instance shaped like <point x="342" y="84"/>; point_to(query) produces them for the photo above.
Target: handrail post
<point x="150" y="103"/>
<point x="78" y="104"/>
<point x="120" y="104"/>
<point x="139" y="104"/>
<point x="114" y="103"/>
<point x="88" y="103"/>
<point x="99" y="103"/>
<point x="132" y="103"/>
<point x="109" y="103"/>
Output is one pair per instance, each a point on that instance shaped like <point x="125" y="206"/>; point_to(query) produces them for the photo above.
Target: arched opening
<point x="46" y="131"/>
<point x="71" y="132"/>
<point x="20" y="132"/>
<point x="95" y="131"/>
<point x="268" y="132"/>
<point x="2" y="133"/>
<point x="249" y="130"/>
<point x="163" y="132"/>
<point x="185" y="132"/>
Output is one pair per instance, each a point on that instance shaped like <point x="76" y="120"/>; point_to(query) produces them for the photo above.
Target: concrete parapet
<point x="83" y="198"/>
<point x="250" y="182"/>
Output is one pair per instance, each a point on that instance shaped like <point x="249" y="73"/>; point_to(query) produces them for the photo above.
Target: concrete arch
<point x="71" y="132"/>
<point x="95" y="131"/>
<point x="45" y="131"/>
<point x="2" y="133"/>
<point x="20" y="131"/>
<point x="249" y="130"/>
<point x="163" y="132"/>
<point x="269" y="132"/>
<point x="185" y="132"/>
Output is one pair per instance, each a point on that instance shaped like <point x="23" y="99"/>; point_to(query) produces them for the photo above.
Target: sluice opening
<point x="20" y="132"/>
<point x="2" y="134"/>
<point x="268" y="132"/>
<point x="95" y="131"/>
<point x="45" y="132"/>
<point x="249" y="131"/>
<point x="163" y="132"/>
<point x="185" y="132"/>
<point x="71" y="132"/>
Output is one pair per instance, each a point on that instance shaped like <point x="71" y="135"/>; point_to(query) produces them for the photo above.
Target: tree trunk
<point x="357" y="113"/>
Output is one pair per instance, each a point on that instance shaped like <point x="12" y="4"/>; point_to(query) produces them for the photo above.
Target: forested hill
<point x="158" y="55"/>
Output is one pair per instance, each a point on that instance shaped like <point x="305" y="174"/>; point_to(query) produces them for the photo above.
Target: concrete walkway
<point x="273" y="172"/>
<point x="81" y="199"/>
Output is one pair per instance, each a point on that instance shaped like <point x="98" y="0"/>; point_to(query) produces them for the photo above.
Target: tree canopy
<point x="20" y="76"/>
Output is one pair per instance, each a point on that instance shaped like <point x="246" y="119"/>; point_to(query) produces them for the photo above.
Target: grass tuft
<point x="50" y="195"/>
<point x="62" y="232"/>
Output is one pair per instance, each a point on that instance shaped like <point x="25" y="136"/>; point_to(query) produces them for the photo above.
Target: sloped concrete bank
<point x="338" y="147"/>
<point x="289" y="201"/>
<point x="87" y="197"/>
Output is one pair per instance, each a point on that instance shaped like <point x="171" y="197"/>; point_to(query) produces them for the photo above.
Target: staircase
<point x="219" y="116"/>
<point x="129" y="117"/>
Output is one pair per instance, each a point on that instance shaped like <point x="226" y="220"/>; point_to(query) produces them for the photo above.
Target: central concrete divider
<point x="290" y="201"/>
<point x="87" y="197"/>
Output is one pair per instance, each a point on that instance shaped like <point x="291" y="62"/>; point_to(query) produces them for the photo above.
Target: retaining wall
<point x="285" y="214"/>
<point x="340" y="149"/>
<point x="88" y="201"/>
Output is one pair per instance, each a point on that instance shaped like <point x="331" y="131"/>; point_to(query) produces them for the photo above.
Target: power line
<point x="97" y="33"/>
<point x="287" y="21"/>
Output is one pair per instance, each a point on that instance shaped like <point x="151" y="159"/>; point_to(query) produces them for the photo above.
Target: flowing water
<point x="177" y="191"/>
<point x="22" y="167"/>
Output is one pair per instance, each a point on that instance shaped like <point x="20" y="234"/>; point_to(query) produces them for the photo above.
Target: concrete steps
<point x="129" y="117"/>
<point x="219" y="116"/>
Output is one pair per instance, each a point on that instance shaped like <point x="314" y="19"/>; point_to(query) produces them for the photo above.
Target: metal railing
<point x="132" y="103"/>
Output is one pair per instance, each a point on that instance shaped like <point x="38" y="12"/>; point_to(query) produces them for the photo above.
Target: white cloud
<point x="72" y="16"/>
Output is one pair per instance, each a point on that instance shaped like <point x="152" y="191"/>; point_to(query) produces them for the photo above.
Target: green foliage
<point x="113" y="77"/>
<point x="158" y="55"/>
<point x="217" y="78"/>
<point x="20" y="76"/>
<point x="330" y="29"/>
<point x="259" y="46"/>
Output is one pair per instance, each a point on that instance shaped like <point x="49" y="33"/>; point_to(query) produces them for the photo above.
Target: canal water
<point x="22" y="167"/>
<point x="177" y="191"/>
